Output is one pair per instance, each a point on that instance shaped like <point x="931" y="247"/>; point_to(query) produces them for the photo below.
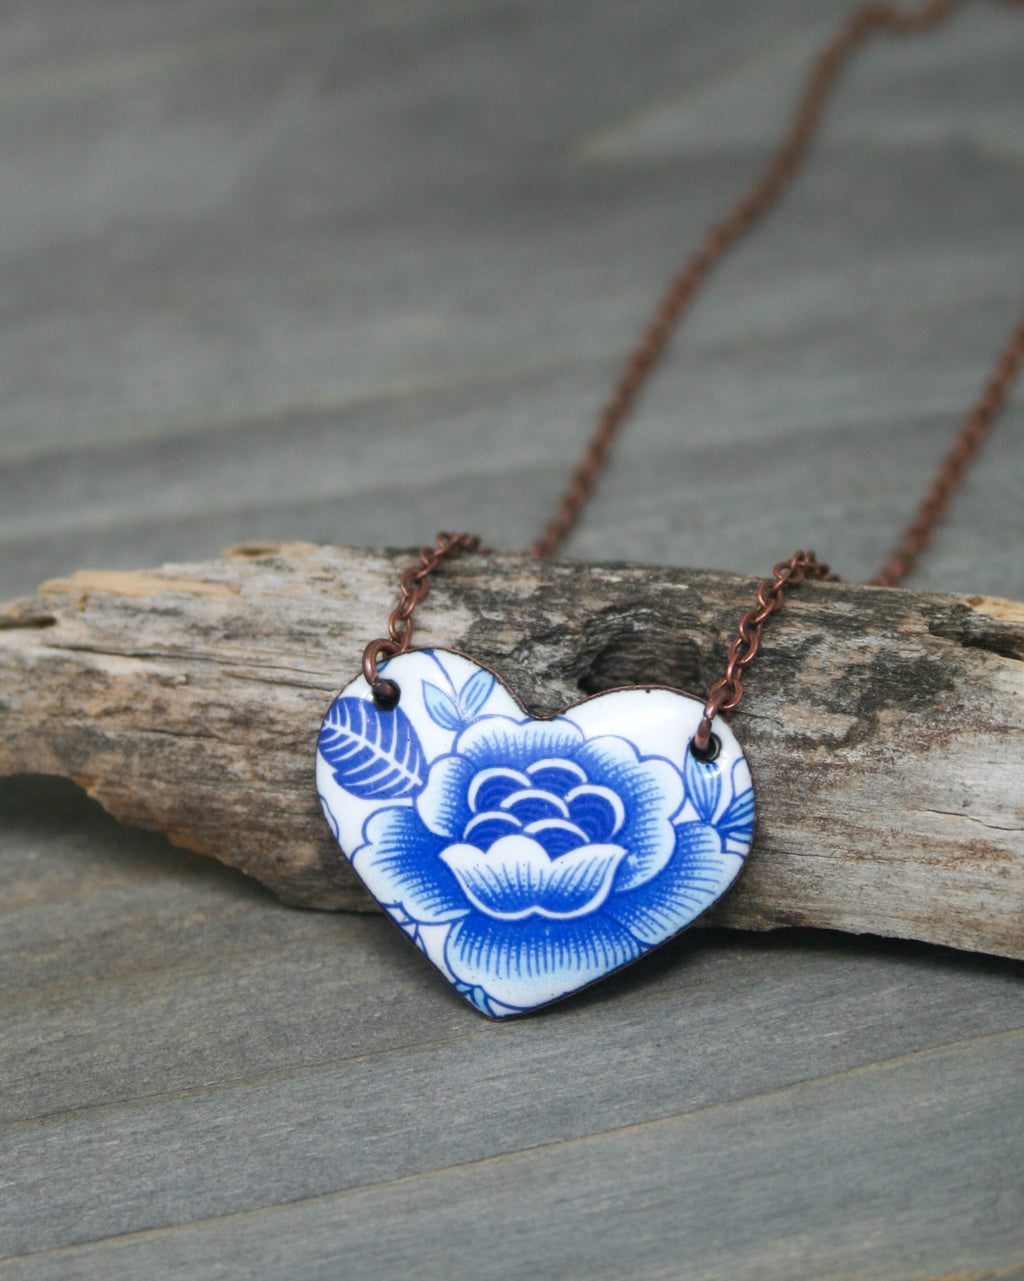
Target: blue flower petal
<point x="534" y="961"/>
<point x="501" y="741"/>
<point x="484" y="829"/>
<point x="557" y="835"/>
<point x="531" y="805"/>
<point x="697" y="875"/>
<point x="651" y="790"/>
<point x="556" y="776"/>
<point x="442" y="804"/>
<point x="399" y="863"/>
<point x="598" y="810"/>
<point x="580" y="881"/>
<point x="517" y="878"/>
<point x="490" y="787"/>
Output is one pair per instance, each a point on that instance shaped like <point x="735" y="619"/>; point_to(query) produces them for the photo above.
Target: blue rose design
<point x="551" y="857"/>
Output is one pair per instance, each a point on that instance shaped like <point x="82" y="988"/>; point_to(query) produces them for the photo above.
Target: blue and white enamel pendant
<point x="529" y="858"/>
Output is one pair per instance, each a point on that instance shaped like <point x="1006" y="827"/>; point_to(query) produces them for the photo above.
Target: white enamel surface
<point x="508" y="915"/>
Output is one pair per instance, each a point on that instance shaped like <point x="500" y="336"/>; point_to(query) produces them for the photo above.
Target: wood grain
<point x="697" y="1184"/>
<point x="885" y="728"/>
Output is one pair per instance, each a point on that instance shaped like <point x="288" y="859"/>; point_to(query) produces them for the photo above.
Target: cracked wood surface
<point x="885" y="729"/>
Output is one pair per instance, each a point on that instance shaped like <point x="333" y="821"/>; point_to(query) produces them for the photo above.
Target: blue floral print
<point x="536" y="857"/>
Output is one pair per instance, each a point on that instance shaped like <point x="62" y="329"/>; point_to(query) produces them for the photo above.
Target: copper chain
<point x="412" y="587"/>
<point x="726" y="693"/>
<point x="918" y="533"/>
<point x="870" y="19"/>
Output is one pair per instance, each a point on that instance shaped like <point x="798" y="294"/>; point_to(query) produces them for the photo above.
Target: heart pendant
<point x="529" y="858"/>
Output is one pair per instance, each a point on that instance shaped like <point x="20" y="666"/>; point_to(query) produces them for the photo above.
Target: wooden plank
<point x="218" y="1060"/>
<point x="189" y="699"/>
<point x="683" y="1196"/>
<point x="826" y="341"/>
<point x="177" y="1001"/>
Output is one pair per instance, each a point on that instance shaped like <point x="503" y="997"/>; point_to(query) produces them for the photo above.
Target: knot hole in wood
<point x="645" y="654"/>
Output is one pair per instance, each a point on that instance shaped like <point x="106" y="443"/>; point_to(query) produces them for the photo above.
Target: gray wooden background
<point x="354" y="272"/>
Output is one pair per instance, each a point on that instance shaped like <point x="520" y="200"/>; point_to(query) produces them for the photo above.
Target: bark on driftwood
<point x="885" y="729"/>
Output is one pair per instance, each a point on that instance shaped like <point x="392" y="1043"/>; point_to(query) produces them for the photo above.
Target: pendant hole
<point x="386" y="695"/>
<point x="710" y="753"/>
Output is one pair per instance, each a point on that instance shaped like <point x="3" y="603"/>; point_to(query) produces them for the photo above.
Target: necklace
<point x="527" y="858"/>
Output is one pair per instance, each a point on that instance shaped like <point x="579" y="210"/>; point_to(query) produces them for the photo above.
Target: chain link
<point x="919" y="533"/>
<point x="412" y="588"/>
<point x="869" y="20"/>
<point x="724" y="695"/>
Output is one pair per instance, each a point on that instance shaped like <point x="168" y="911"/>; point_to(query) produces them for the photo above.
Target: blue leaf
<point x="703" y="785"/>
<point x="373" y="754"/>
<point x="475" y="692"/>
<point x="476" y="996"/>
<point x="441" y="707"/>
<point x="737" y="823"/>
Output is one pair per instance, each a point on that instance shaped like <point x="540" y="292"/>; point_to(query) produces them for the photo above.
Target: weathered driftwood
<point x="885" y="729"/>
